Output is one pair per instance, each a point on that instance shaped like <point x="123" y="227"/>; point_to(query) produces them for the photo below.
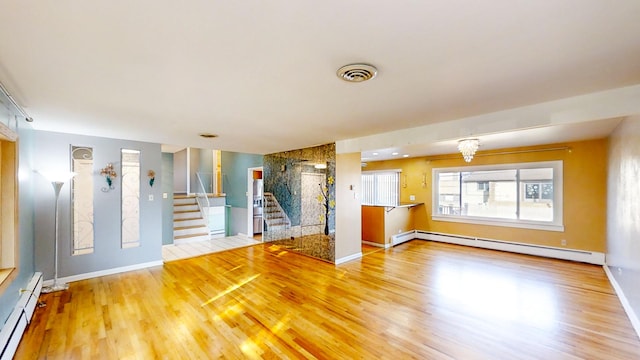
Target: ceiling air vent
<point x="208" y="135"/>
<point x="357" y="72"/>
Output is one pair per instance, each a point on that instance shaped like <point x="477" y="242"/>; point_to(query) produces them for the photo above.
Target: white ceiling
<point x="261" y="74"/>
<point x="596" y="129"/>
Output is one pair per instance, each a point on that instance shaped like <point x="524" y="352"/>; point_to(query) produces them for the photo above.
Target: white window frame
<point x="556" y="224"/>
<point x="396" y="172"/>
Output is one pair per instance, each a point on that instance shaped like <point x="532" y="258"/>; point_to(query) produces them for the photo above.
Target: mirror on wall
<point x="82" y="200"/>
<point x="299" y="200"/>
<point x="130" y="198"/>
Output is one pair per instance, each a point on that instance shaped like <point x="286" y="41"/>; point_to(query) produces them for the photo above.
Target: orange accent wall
<point x="584" y="193"/>
<point x="373" y="224"/>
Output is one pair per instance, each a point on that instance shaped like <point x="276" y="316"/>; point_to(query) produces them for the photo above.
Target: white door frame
<point x="250" y="199"/>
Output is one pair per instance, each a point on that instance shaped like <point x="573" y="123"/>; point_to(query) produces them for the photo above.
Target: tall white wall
<point x="348" y="208"/>
<point x="623" y="209"/>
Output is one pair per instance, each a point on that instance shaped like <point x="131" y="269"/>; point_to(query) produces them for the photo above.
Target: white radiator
<point x="403" y="237"/>
<point x="15" y="325"/>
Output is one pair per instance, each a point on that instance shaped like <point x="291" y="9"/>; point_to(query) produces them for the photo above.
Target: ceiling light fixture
<point x="357" y="72"/>
<point x="468" y="148"/>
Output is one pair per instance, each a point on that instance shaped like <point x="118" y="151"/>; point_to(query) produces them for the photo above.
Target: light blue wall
<point x="201" y="161"/>
<point x="52" y="151"/>
<point x="234" y="169"/>
<point x="167" y="204"/>
<point x="26" y="265"/>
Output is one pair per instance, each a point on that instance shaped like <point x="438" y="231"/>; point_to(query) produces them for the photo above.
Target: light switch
<point x="165" y="195"/>
<point x="412" y="197"/>
<point x="151" y="197"/>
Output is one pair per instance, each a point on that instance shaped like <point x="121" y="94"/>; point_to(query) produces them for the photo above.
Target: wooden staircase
<point x="188" y="224"/>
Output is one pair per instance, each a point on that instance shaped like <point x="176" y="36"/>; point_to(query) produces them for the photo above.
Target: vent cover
<point x="357" y="72"/>
<point x="208" y="135"/>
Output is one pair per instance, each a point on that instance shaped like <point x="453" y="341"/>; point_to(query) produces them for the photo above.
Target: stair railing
<point x="203" y="201"/>
<point x="270" y="198"/>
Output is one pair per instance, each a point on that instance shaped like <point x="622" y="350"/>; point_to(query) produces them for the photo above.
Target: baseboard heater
<point x="521" y="248"/>
<point x="14" y="327"/>
<point x="403" y="237"/>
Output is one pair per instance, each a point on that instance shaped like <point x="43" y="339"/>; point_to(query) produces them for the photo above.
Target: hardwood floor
<point x="418" y="300"/>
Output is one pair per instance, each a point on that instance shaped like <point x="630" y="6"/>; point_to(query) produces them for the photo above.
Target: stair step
<point x="190" y="236"/>
<point x="195" y="231"/>
<point x="189" y="207"/>
<point x="183" y="196"/>
<point x="189" y="221"/>
<point x="186" y="201"/>
<point x="188" y="224"/>
<point x="191" y="218"/>
<point x="189" y="215"/>
<point x="188" y="227"/>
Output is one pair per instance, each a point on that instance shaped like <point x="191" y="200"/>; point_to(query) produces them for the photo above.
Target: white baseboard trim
<point x="348" y="258"/>
<point x="521" y="248"/>
<point x="371" y="243"/>
<point x="106" y="272"/>
<point x="635" y="321"/>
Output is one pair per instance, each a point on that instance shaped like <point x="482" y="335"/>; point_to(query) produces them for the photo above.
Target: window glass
<point x="537" y="190"/>
<point x="490" y="194"/>
<point x="524" y="194"/>
<point x="381" y="188"/>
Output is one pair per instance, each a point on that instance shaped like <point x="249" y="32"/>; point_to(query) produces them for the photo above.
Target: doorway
<point x="255" y="220"/>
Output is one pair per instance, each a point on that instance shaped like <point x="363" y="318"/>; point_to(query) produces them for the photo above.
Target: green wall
<point x="234" y="169"/>
<point x="234" y="176"/>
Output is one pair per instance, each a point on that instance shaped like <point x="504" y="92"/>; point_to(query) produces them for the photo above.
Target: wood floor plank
<point x="417" y="300"/>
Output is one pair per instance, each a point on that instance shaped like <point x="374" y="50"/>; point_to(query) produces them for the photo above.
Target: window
<point x="525" y="195"/>
<point x="381" y="188"/>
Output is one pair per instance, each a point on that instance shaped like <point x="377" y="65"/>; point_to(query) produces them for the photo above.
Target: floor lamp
<point x="57" y="180"/>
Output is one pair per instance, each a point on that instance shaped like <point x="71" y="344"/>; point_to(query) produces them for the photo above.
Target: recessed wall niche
<point x="130" y="198"/>
<point x="82" y="200"/>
